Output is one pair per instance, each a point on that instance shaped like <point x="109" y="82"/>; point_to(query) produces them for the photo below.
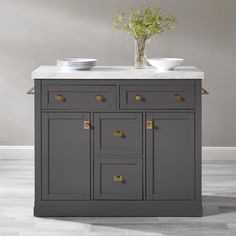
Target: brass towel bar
<point x="205" y="92"/>
<point x="30" y="91"/>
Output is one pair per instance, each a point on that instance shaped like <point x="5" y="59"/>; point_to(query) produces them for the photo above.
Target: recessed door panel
<point x="170" y="156"/>
<point x="66" y="156"/>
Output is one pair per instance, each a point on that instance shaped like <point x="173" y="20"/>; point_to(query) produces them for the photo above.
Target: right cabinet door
<point x="170" y="156"/>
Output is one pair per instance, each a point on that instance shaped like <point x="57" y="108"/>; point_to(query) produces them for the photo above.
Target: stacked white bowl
<point x="76" y="63"/>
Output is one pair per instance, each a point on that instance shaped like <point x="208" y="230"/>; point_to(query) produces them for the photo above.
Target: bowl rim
<point x="166" y="59"/>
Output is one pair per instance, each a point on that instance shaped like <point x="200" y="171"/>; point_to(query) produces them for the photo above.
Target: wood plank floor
<point x="16" y="204"/>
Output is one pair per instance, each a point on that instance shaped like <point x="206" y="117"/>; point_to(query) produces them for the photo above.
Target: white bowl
<point x="165" y="64"/>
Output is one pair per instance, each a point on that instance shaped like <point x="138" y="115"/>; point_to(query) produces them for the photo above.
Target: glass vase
<point x="140" y="56"/>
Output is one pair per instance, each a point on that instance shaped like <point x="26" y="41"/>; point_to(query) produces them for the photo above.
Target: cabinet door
<point x="65" y="156"/>
<point x="170" y="156"/>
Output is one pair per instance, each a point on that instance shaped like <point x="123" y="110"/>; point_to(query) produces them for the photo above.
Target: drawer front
<point x="117" y="133"/>
<point x="157" y="97"/>
<point x="79" y="97"/>
<point x="118" y="179"/>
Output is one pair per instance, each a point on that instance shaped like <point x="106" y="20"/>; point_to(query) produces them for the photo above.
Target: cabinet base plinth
<point x="121" y="208"/>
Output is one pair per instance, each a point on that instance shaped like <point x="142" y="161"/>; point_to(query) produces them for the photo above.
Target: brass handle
<point x="118" y="133"/>
<point x="149" y="124"/>
<point x="59" y="97"/>
<point x="99" y="98"/>
<point x="178" y="98"/>
<point x="30" y="91"/>
<point x="118" y="178"/>
<point x="138" y="98"/>
<point x="205" y="92"/>
<point x="86" y="124"/>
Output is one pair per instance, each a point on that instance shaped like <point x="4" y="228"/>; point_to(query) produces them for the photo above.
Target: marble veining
<point x="117" y="72"/>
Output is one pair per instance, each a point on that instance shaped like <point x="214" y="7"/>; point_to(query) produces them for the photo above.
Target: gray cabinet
<point x="118" y="147"/>
<point x="170" y="156"/>
<point x="65" y="156"/>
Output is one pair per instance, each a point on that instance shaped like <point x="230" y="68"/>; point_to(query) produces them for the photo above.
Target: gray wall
<point x="35" y="32"/>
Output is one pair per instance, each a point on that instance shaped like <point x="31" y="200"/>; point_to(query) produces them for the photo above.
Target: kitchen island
<point x="117" y="141"/>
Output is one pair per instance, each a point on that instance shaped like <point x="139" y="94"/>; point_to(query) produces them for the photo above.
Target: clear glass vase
<point x="140" y="56"/>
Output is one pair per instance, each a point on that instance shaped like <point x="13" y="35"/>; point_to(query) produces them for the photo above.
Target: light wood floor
<point x="16" y="204"/>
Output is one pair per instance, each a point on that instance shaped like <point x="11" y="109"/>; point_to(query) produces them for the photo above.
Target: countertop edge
<point x="117" y="73"/>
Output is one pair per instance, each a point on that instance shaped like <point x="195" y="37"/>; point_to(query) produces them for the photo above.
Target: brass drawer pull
<point x="178" y="98"/>
<point x="99" y="98"/>
<point x="86" y="124"/>
<point x="118" y="133"/>
<point x="138" y="98"/>
<point x="118" y="178"/>
<point x="149" y="124"/>
<point x="59" y="97"/>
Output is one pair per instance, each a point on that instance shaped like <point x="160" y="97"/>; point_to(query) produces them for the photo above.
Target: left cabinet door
<point x="65" y="156"/>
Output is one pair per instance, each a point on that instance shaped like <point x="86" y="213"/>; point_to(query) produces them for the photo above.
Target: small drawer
<point x="157" y="97"/>
<point x="117" y="133"/>
<point x="79" y="97"/>
<point x="118" y="179"/>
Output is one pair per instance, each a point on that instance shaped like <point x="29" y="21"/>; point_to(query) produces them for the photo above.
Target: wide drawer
<point x="157" y="97"/>
<point x="79" y="97"/>
<point x="118" y="178"/>
<point x="118" y="133"/>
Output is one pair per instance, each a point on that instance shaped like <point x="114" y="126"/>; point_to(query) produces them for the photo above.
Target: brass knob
<point x="138" y="98"/>
<point x="99" y="98"/>
<point x="118" y="133"/>
<point x="86" y="124"/>
<point x="59" y="97"/>
<point x="118" y="178"/>
<point x="178" y="98"/>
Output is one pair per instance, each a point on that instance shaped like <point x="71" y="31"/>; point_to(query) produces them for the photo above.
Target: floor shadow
<point x="215" y="205"/>
<point x="161" y="226"/>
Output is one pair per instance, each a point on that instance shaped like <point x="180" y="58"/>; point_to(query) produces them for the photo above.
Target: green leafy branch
<point x="143" y="23"/>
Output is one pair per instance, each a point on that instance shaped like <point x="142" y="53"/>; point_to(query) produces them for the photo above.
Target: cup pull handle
<point x="118" y="133"/>
<point x="118" y="178"/>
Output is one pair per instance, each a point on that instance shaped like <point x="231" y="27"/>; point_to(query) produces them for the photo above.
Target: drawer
<point x="117" y="133"/>
<point x="79" y="97"/>
<point x="157" y="97"/>
<point x="118" y="178"/>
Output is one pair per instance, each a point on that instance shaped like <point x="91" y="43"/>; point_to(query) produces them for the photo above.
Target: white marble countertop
<point x="117" y="72"/>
